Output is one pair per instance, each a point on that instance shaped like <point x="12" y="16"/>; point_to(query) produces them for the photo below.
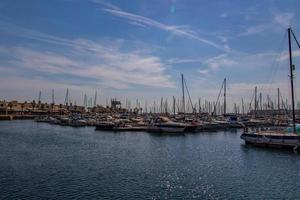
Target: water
<point x="42" y="161"/>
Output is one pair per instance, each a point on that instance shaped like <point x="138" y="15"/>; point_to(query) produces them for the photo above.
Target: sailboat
<point x="279" y="138"/>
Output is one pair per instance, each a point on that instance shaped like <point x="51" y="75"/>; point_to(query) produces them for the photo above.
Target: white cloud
<point x="277" y="22"/>
<point x="224" y="15"/>
<point x="203" y="71"/>
<point x="103" y="61"/>
<point x="183" y="60"/>
<point x="284" y="19"/>
<point x="176" y="30"/>
<point x="221" y="60"/>
<point x="255" y="29"/>
<point x="111" y="68"/>
<point x="223" y="39"/>
<point x="284" y="56"/>
<point x="106" y="4"/>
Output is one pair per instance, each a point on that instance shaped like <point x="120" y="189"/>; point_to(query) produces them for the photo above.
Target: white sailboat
<point x="278" y="137"/>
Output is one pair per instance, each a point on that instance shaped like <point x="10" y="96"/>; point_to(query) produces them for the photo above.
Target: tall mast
<point x="292" y="80"/>
<point x="199" y="102"/>
<point x="67" y="97"/>
<point x="278" y="100"/>
<point x="95" y="99"/>
<point x="161" y="105"/>
<point x="183" y="100"/>
<point x="260" y="101"/>
<point x="174" y="108"/>
<point x="255" y="100"/>
<point x="40" y="96"/>
<point x="224" y="96"/>
<point x="243" y="108"/>
<point x="53" y="101"/>
<point x="85" y="101"/>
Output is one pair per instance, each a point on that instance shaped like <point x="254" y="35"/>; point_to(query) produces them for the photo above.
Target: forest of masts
<point x="181" y="105"/>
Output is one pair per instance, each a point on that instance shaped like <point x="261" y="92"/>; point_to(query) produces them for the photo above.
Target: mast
<point x="67" y="97"/>
<point x="224" y="96"/>
<point x="260" y="101"/>
<point x="53" y="101"/>
<point x="292" y="80"/>
<point x="161" y="105"/>
<point x="255" y="100"/>
<point x="174" y="108"/>
<point x="199" y="102"/>
<point x="183" y="100"/>
<point x="85" y="101"/>
<point x="95" y="99"/>
<point x="243" y="107"/>
<point x="40" y="96"/>
<point x="278" y="100"/>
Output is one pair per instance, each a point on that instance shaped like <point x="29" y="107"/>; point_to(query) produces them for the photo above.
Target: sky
<point x="138" y="49"/>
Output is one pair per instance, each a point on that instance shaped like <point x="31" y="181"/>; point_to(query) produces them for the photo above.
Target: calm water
<point x="42" y="161"/>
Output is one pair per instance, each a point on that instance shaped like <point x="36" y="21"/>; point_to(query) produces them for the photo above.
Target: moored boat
<point x="105" y="126"/>
<point x="278" y="137"/>
<point x="164" y="125"/>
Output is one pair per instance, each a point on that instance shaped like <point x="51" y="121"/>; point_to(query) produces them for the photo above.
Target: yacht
<point x="284" y="137"/>
<point x="165" y="125"/>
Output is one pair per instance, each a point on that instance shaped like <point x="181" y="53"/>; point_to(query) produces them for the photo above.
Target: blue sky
<point x="138" y="49"/>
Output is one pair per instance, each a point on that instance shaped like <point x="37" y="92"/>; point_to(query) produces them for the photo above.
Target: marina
<point x="134" y="100"/>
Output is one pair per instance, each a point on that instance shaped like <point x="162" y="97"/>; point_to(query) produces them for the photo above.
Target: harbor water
<point x="43" y="161"/>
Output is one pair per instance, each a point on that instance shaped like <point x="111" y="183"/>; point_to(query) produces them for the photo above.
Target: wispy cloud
<point x="255" y="29"/>
<point x="174" y="61"/>
<point x="102" y="61"/>
<point x="246" y="61"/>
<point x="203" y="71"/>
<point x="106" y="4"/>
<point x="142" y="21"/>
<point x="111" y="69"/>
<point x="284" y="19"/>
<point x="277" y="22"/>
<point x="284" y="56"/>
<point x="224" y="15"/>
<point x="221" y="60"/>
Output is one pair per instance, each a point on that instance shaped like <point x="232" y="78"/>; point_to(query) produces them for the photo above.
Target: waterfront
<point x="39" y="160"/>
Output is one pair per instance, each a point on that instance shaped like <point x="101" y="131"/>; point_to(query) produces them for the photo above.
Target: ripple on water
<point x="42" y="161"/>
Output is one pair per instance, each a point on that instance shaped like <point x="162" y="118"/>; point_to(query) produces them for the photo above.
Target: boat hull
<point x="104" y="127"/>
<point x="276" y="141"/>
<point x="158" y="129"/>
